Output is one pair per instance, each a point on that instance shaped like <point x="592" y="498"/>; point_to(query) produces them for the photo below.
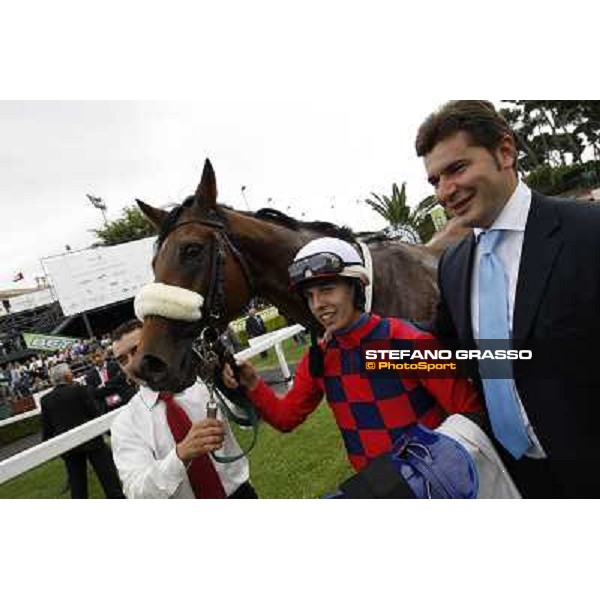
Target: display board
<point x="97" y="277"/>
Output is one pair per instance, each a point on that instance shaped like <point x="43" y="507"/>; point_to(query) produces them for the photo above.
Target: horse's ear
<point x="206" y="193"/>
<point x="156" y="216"/>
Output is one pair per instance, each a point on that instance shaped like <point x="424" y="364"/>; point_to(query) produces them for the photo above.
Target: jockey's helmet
<point x="324" y="258"/>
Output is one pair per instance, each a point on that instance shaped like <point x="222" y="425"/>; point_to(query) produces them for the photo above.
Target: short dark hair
<point x="478" y="118"/>
<point x="125" y="328"/>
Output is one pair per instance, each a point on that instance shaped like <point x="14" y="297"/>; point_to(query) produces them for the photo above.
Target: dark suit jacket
<point x="557" y="300"/>
<point x="117" y="384"/>
<point x="65" y="407"/>
<point x="92" y="377"/>
<point x="255" y="326"/>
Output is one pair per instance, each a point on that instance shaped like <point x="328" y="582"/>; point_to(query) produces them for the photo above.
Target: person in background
<point x="67" y="406"/>
<point x="109" y="384"/>
<point x="255" y="327"/>
<point x="254" y="324"/>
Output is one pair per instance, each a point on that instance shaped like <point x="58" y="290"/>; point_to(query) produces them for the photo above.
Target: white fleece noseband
<point x="168" y="301"/>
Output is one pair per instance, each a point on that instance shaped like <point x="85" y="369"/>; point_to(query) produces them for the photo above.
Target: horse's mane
<point x="264" y="214"/>
<point x="323" y="227"/>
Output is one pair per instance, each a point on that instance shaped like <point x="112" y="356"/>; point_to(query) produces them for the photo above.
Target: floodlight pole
<point x="243" y="190"/>
<point x="98" y="203"/>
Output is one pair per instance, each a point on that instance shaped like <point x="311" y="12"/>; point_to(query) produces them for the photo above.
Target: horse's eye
<point x="191" y="251"/>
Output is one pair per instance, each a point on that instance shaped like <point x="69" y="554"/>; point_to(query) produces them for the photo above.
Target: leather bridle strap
<point x="216" y="301"/>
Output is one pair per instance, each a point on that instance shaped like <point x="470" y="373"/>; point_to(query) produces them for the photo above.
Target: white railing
<point x="41" y="453"/>
<point x="37" y="455"/>
<point x="21" y="416"/>
<point x="269" y="340"/>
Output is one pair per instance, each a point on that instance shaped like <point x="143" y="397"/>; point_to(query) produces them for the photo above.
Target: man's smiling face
<point x="473" y="183"/>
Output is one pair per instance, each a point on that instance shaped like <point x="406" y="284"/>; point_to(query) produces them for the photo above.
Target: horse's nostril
<point x="152" y="369"/>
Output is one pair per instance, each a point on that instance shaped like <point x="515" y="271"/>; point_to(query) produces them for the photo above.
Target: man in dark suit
<point x="255" y="327"/>
<point x="254" y="324"/>
<point x="529" y="273"/>
<point x="108" y="383"/>
<point x="67" y="406"/>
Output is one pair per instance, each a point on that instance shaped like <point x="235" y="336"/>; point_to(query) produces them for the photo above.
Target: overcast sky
<point x="317" y="158"/>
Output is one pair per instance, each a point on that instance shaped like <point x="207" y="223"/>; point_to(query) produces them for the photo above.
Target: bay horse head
<point x="200" y="277"/>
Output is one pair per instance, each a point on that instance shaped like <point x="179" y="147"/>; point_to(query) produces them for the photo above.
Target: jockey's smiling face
<point x="331" y="301"/>
<point x="473" y="183"/>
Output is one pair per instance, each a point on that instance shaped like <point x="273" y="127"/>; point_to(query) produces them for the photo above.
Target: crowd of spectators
<point x="10" y="344"/>
<point x="30" y="375"/>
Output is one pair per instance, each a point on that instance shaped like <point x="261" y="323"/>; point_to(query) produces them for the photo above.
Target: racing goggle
<point x="315" y="265"/>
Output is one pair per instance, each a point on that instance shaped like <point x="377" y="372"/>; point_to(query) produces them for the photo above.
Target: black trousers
<point x="101" y="459"/>
<point x="244" y="492"/>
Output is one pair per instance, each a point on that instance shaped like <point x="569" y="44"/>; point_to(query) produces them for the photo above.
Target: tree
<point x="552" y="139"/>
<point x="395" y="210"/>
<point x="131" y="226"/>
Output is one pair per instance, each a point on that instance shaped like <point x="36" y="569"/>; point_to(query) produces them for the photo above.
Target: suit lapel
<point x="464" y="271"/>
<point x="541" y="244"/>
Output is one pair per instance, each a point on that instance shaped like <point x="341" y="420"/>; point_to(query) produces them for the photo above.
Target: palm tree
<point x="398" y="214"/>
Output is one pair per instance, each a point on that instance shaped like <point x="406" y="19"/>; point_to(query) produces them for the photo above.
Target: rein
<point x="205" y="347"/>
<point x="205" y="344"/>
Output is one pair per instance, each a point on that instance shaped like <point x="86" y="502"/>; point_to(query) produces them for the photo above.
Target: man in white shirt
<point x="150" y="462"/>
<point x="530" y="277"/>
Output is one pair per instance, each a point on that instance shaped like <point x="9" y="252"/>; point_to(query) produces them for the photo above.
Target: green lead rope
<point x="249" y="420"/>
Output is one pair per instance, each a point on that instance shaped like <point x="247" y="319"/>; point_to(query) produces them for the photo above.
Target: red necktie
<point x="202" y="474"/>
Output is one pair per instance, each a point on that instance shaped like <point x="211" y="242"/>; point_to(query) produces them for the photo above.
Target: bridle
<point x="205" y="345"/>
<point x="215" y="306"/>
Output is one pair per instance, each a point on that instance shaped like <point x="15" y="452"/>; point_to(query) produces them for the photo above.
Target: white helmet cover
<point x="353" y="264"/>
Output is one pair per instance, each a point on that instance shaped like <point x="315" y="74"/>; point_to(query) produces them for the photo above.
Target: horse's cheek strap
<point x="168" y="301"/>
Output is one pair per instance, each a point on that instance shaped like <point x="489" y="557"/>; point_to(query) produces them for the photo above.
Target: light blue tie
<point x="500" y="398"/>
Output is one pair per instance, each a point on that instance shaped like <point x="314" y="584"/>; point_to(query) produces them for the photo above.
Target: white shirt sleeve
<point x="142" y="475"/>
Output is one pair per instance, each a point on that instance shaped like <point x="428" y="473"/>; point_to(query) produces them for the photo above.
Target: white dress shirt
<point x="144" y="449"/>
<point x="512" y="220"/>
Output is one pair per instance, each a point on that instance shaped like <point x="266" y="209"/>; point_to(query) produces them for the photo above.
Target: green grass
<point x="47" y="481"/>
<point x="305" y="463"/>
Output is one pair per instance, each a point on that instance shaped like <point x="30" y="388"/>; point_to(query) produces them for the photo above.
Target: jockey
<point x="372" y="414"/>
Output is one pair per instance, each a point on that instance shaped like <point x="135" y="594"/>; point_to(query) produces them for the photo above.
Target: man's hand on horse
<point x="248" y="377"/>
<point x="203" y="437"/>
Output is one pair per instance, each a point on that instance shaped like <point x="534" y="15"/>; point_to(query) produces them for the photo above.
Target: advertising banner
<point x="49" y="343"/>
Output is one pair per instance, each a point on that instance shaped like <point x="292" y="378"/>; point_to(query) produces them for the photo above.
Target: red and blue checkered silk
<point x="371" y="413"/>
